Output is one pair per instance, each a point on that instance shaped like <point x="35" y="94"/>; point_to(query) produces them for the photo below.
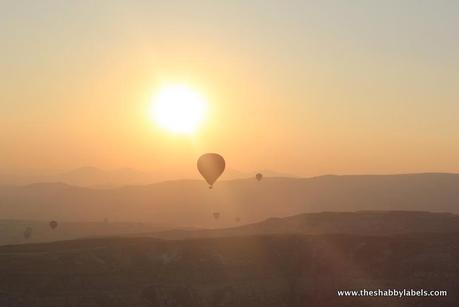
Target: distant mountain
<point x="269" y="271"/>
<point x="94" y="177"/>
<point x="191" y="203"/>
<point x="87" y="177"/>
<point x="357" y="223"/>
<point x="97" y="178"/>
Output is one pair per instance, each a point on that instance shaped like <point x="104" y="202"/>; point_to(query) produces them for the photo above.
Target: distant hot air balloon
<point x="53" y="225"/>
<point x="238" y="219"/>
<point x="27" y="232"/>
<point x="216" y="215"/>
<point x="211" y="166"/>
<point x="259" y="176"/>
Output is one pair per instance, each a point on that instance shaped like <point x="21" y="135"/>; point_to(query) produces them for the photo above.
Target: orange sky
<point x="301" y="88"/>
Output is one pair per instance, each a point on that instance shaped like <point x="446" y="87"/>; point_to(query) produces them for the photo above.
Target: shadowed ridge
<point x="360" y="222"/>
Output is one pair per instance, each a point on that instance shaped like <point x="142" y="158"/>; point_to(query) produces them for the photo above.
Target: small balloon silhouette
<point x="28" y="232"/>
<point x="216" y="215"/>
<point x="259" y="176"/>
<point x="53" y="225"/>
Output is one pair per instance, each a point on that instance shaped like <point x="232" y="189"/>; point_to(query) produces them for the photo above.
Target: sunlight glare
<point x="179" y="109"/>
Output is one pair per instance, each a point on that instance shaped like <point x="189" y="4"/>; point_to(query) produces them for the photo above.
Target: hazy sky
<point x="303" y="87"/>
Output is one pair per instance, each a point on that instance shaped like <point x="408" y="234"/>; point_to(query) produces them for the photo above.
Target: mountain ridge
<point x="191" y="203"/>
<point x="93" y="177"/>
<point x="374" y="223"/>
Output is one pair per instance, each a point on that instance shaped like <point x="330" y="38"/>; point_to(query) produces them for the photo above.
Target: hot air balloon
<point x="53" y="225"/>
<point x="216" y="215"/>
<point x="259" y="176"/>
<point x="211" y="166"/>
<point x="238" y="219"/>
<point x="27" y="232"/>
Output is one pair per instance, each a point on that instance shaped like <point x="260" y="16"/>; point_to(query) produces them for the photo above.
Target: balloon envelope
<point x="216" y="215"/>
<point x="53" y="224"/>
<point x="259" y="176"/>
<point x="211" y="166"/>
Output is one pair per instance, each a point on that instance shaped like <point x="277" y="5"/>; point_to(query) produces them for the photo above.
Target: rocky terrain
<point x="271" y="270"/>
<point x="302" y="260"/>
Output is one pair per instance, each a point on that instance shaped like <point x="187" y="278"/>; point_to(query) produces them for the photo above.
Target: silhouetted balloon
<point x="216" y="215"/>
<point x="259" y="176"/>
<point x="211" y="166"/>
<point x="238" y="219"/>
<point x="27" y="232"/>
<point x="53" y="225"/>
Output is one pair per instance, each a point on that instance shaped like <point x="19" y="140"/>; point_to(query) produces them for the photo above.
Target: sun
<point x="178" y="109"/>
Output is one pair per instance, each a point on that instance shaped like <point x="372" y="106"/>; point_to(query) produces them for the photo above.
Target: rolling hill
<point x="191" y="203"/>
<point x="93" y="177"/>
<point x="375" y="223"/>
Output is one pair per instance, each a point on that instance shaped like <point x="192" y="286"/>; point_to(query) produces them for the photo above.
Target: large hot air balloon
<point x="216" y="215"/>
<point x="53" y="225"/>
<point x="27" y="232"/>
<point x="211" y="166"/>
<point x="259" y="176"/>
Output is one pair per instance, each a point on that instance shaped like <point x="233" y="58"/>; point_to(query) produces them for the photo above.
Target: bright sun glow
<point x="178" y="109"/>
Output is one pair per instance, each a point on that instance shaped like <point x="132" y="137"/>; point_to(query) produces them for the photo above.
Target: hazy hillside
<point x="191" y="203"/>
<point x="93" y="177"/>
<point x="12" y="231"/>
<point x="363" y="222"/>
<point x="269" y="271"/>
<point x="86" y="177"/>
